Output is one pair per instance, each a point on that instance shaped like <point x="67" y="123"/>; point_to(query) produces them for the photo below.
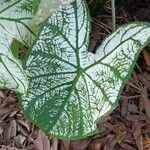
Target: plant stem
<point x="113" y="14"/>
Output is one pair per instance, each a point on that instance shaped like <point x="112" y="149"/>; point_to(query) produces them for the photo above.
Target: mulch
<point x="126" y="128"/>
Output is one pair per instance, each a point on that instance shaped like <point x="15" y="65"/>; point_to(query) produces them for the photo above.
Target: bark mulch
<point x="126" y="128"/>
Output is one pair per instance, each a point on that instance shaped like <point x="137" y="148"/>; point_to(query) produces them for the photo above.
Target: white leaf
<point x="15" y="16"/>
<point x="70" y="89"/>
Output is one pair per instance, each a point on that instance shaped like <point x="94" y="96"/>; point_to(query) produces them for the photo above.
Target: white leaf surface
<point x="15" y="16"/>
<point x="70" y="89"/>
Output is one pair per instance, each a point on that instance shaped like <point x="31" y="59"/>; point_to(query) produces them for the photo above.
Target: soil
<point x="126" y="128"/>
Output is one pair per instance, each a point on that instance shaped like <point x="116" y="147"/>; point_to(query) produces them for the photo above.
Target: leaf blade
<point x="66" y="96"/>
<point x="14" y="24"/>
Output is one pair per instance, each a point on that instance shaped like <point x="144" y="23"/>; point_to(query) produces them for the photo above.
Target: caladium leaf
<point x="70" y="89"/>
<point x="15" y="16"/>
<point x="47" y="7"/>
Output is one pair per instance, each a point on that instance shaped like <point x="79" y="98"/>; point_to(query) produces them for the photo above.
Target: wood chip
<point x="136" y="127"/>
<point x="19" y="140"/>
<point x="25" y="123"/>
<point x="5" y="111"/>
<point x="146" y="101"/>
<point x="11" y="130"/>
<point x="65" y="145"/>
<point x="55" y="144"/>
<point x="111" y="144"/>
<point x="42" y="142"/>
<point x="80" y="144"/>
<point x="124" y="106"/>
<point x="146" y="57"/>
<point x="127" y="147"/>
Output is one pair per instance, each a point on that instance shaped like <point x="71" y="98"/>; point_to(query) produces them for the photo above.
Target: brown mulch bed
<point x="127" y="128"/>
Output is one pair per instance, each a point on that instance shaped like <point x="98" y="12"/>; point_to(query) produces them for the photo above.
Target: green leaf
<point x="15" y="16"/>
<point x="70" y="89"/>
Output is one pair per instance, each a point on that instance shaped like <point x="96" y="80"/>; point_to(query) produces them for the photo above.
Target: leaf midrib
<point x="58" y="115"/>
<point x="77" y="40"/>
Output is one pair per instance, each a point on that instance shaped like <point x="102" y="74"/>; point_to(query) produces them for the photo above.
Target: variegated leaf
<point x="47" y="7"/>
<point x="15" y="16"/>
<point x="70" y="89"/>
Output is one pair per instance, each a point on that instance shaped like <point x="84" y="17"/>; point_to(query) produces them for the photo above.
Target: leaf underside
<point x="70" y="88"/>
<point x="15" y="16"/>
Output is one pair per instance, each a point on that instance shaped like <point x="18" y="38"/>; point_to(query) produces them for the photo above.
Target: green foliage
<point x="66" y="89"/>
